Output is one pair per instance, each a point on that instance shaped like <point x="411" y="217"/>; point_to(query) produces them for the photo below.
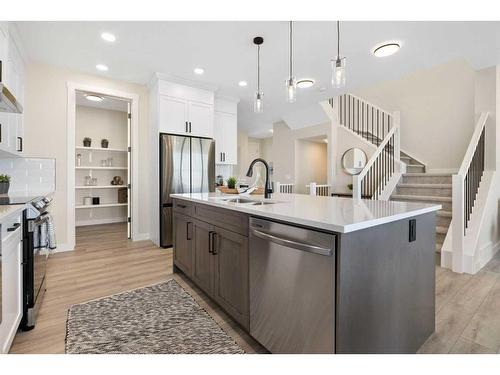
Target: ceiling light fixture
<point x="305" y="83"/>
<point x="386" y="49"/>
<point x="242" y="83"/>
<point x="108" y="37"/>
<point x="338" y="65"/>
<point x="94" y="98"/>
<point x="101" y="67"/>
<point x="199" y="71"/>
<point x="291" y="83"/>
<point x="258" y="106"/>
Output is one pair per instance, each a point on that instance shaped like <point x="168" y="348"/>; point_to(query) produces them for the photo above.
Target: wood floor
<point x="105" y="262"/>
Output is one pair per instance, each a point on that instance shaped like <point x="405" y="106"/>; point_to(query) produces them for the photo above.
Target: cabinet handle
<point x="224" y="156"/>
<point x="20" y="144"/>
<point x="188" y="237"/>
<point x="186" y="127"/>
<point x="190" y="126"/>
<point x="214" y="243"/>
<point x="210" y="242"/>
<point x="0" y="132"/>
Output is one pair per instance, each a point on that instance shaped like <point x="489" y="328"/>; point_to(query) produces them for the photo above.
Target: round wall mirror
<point x="353" y="161"/>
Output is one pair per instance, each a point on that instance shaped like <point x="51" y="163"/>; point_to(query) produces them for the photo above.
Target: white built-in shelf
<point x="100" y="187"/>
<point x="100" y="149"/>
<point x="108" y="168"/>
<point x="102" y="205"/>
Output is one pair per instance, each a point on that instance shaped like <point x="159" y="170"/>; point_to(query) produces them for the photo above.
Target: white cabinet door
<point x="219" y="137"/>
<point x="201" y="120"/>
<point x="173" y="115"/>
<point x="11" y="285"/>
<point x="4" y="131"/>
<point x="230" y="139"/>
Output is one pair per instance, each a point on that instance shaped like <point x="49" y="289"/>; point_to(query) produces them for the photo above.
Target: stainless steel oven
<point x="34" y="262"/>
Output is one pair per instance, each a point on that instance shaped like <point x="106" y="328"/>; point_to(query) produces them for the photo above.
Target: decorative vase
<point x="4" y="187"/>
<point x="87" y="143"/>
<point x="104" y="143"/>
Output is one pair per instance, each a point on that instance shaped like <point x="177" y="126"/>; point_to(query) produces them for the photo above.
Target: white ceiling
<point x="226" y="53"/>
<point x="112" y="104"/>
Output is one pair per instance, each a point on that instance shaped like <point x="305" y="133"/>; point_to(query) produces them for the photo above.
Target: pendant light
<point x="291" y="83"/>
<point x="338" y="65"/>
<point x="259" y="95"/>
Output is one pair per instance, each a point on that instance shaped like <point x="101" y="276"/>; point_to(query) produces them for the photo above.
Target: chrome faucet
<point x="267" y="189"/>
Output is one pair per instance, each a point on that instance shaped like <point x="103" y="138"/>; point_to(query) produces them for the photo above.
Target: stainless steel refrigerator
<point x="187" y="165"/>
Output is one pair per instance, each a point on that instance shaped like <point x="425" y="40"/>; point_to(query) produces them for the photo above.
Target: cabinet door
<point x="4" y="130"/>
<point x="173" y="115"/>
<point x="203" y="263"/>
<point x="231" y="274"/>
<point x="201" y="120"/>
<point x="230" y="139"/>
<point x="219" y="137"/>
<point x="183" y="249"/>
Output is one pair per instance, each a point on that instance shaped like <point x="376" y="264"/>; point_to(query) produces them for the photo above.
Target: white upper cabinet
<point x="183" y="110"/>
<point x="12" y="76"/>
<point x="226" y="131"/>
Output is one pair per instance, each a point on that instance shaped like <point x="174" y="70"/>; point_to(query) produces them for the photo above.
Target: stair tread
<point x="427" y="174"/>
<point x="438" y="247"/>
<point x="441" y="230"/>
<point x="421" y="198"/>
<point x="444" y="213"/>
<point x="432" y="186"/>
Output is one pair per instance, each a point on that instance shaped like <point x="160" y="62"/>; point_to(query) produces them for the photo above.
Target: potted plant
<point x="231" y="182"/>
<point x="4" y="183"/>
<point x="87" y="142"/>
<point x="104" y="143"/>
<point x="349" y="186"/>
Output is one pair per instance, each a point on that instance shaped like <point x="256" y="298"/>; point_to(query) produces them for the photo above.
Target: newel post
<point x="457" y="222"/>
<point x="356" y="187"/>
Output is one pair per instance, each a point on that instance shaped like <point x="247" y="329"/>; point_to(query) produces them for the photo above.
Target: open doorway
<point x="102" y="163"/>
<point x="311" y="162"/>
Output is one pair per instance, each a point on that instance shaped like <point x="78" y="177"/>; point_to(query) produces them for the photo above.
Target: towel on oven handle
<point x="44" y="234"/>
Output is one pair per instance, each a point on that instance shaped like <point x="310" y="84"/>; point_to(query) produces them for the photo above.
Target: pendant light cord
<point x="258" y="68"/>
<point x="291" y="49"/>
<point x="338" y="40"/>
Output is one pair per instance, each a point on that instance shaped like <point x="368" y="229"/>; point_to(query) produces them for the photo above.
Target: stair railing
<point x="318" y="189"/>
<point x="284" y="188"/>
<point x="465" y="186"/>
<point x="380" y="168"/>
<point x="365" y="119"/>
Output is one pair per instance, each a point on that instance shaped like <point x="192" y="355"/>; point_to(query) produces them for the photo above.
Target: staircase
<point x="421" y="187"/>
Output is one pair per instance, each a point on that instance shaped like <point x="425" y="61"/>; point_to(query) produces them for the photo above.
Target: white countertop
<point x="334" y="214"/>
<point x="8" y="209"/>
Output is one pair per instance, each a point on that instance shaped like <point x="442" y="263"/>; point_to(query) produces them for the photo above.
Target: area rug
<point x="158" y="319"/>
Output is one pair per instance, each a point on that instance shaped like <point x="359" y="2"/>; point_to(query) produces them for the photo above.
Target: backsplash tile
<point x="29" y="175"/>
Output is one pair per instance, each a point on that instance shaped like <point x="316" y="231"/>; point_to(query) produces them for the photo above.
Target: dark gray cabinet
<point x="214" y="255"/>
<point x="231" y="274"/>
<point x="183" y="233"/>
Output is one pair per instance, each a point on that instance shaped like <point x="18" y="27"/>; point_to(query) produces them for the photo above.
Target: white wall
<point x="46" y="131"/>
<point x="311" y="164"/>
<point x="437" y="111"/>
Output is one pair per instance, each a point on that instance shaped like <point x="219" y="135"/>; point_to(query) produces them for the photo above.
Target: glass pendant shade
<point x="258" y="105"/>
<point x="338" y="72"/>
<point x="291" y="90"/>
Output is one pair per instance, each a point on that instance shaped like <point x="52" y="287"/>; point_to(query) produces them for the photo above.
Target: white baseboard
<point x="483" y="256"/>
<point x="83" y="223"/>
<point x="442" y="170"/>
<point x="61" y="248"/>
<point x="141" y="237"/>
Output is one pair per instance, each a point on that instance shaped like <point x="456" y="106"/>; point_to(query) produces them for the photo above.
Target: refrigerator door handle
<point x="190" y="126"/>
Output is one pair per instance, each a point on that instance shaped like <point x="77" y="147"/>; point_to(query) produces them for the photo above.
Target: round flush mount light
<point x="101" y="67"/>
<point x="199" y="71"/>
<point x="242" y="83"/>
<point x="305" y="83"/>
<point x="108" y="37"/>
<point x="94" y="98"/>
<point x="386" y="49"/>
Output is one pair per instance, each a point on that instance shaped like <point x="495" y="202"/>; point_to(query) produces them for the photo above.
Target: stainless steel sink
<point x="262" y="203"/>
<point x="240" y="200"/>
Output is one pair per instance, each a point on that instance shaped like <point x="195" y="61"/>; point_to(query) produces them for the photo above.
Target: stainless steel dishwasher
<point x="292" y="288"/>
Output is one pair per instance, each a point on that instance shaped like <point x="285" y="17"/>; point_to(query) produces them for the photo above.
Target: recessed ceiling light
<point x="386" y="49"/>
<point x="101" y="67"/>
<point x="305" y="83"/>
<point x="94" y="98"/>
<point x="108" y="37"/>
<point x="199" y="71"/>
<point x="242" y="83"/>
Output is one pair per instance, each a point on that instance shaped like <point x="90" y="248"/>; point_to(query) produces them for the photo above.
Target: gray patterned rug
<point x="161" y="319"/>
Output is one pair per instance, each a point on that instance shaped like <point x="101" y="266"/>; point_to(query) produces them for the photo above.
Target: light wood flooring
<point x="105" y="262"/>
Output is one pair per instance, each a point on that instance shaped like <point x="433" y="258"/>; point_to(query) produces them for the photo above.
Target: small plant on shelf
<point x="231" y="182"/>
<point x="4" y="183"/>
<point x="104" y="143"/>
<point x="349" y="186"/>
<point x="87" y="142"/>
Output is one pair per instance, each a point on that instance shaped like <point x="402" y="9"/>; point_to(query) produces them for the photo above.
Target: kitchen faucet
<point x="267" y="189"/>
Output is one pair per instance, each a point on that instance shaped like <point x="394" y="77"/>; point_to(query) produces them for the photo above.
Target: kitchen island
<point x="305" y="274"/>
